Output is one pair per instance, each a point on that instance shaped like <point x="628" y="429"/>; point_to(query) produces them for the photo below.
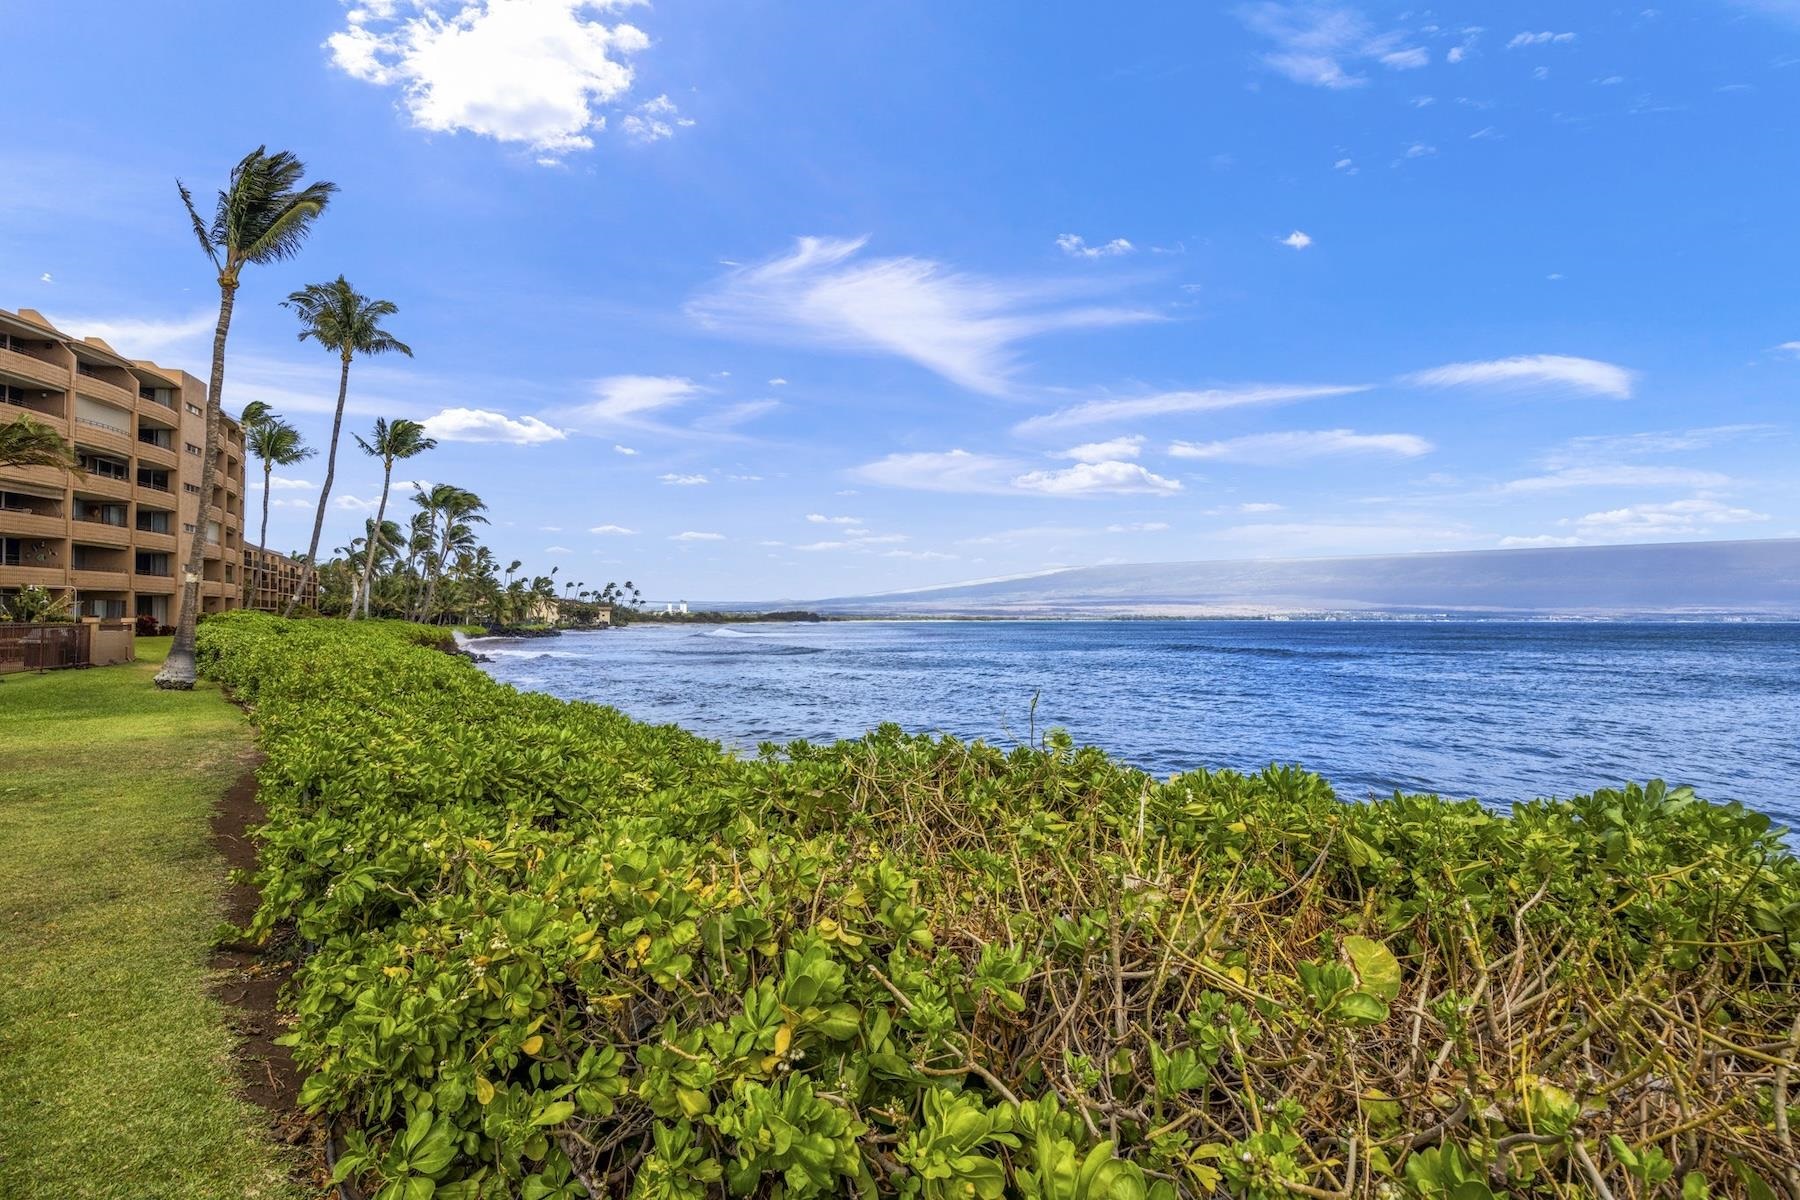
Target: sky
<point x="780" y="300"/>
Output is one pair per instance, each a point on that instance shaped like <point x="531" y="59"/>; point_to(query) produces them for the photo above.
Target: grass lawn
<point x="115" y="1070"/>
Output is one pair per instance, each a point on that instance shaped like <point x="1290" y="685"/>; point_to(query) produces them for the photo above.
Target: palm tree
<point x="262" y="216"/>
<point x="342" y="320"/>
<point x="277" y="444"/>
<point x="390" y="442"/>
<point x="29" y="443"/>
<point x="456" y="507"/>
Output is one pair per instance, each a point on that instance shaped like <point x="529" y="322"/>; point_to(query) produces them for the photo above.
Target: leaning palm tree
<point x="262" y="216"/>
<point x="348" y="323"/>
<point x="277" y="444"/>
<point x="29" y="443"/>
<point x="390" y="442"/>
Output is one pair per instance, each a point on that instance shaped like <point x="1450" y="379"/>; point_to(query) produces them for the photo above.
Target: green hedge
<point x="561" y="952"/>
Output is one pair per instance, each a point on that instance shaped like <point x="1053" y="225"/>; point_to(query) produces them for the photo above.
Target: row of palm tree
<point x="264" y="215"/>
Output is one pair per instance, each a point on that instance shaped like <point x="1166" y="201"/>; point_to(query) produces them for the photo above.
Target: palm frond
<point x="200" y="230"/>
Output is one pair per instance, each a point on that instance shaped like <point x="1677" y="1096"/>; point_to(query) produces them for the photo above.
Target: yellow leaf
<point x="532" y="1044"/>
<point x="484" y="1091"/>
<point x="784" y="1037"/>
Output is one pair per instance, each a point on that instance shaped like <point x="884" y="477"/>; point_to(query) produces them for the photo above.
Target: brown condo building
<point x="113" y="539"/>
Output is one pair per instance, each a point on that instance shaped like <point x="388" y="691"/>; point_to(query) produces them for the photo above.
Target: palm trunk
<point x="387" y="475"/>
<point x="308" y="569"/>
<point x="178" y="671"/>
<point x="262" y="534"/>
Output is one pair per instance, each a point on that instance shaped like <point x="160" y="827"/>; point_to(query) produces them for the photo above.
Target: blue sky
<point x="782" y="300"/>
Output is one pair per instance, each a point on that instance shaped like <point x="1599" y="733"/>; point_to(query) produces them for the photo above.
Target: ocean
<point x="1498" y="711"/>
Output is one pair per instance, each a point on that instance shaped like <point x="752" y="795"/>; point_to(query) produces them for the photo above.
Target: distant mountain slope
<point x="1749" y="578"/>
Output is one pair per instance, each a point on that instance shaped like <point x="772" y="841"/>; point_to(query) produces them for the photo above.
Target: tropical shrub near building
<point x="556" y="952"/>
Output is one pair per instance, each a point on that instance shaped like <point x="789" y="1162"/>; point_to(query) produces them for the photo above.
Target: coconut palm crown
<point x="390" y="441"/>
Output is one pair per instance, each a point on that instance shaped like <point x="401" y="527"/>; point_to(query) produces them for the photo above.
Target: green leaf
<point x="553" y="1114"/>
<point x="1377" y="970"/>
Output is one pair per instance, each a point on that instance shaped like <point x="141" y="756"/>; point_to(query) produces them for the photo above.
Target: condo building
<point x="113" y="539"/>
<point x="270" y="578"/>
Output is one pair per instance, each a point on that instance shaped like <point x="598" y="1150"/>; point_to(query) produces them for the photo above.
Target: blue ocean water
<point x="1494" y="710"/>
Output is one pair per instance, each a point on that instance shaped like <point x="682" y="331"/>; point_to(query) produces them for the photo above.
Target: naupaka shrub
<point x="557" y="952"/>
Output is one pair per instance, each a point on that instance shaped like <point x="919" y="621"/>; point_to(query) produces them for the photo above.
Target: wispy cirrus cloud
<point x="1297" y="446"/>
<point x="964" y="327"/>
<point x="1533" y="372"/>
<point x="1616" y="475"/>
<point x="978" y="473"/>
<point x="1323" y="45"/>
<point x="142" y="337"/>
<point x="538" y="73"/>
<point x="1675" y="518"/>
<point x="1163" y="404"/>
<point x="1076" y="246"/>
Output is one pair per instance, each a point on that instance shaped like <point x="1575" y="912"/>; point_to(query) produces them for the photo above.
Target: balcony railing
<point x="93" y="424"/>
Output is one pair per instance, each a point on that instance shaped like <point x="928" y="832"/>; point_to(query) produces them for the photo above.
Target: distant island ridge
<point x="1754" y="579"/>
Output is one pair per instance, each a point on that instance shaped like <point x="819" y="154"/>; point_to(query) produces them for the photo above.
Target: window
<point x="152" y="520"/>
<point x="100" y="514"/>
<point x="156" y="481"/>
<point x="106" y="468"/>
<point x="156" y="435"/>
<point x="188" y="527"/>
<point x="193" y="449"/>
<point x="192" y="489"/>
<point x="152" y="564"/>
<point x="196" y="410"/>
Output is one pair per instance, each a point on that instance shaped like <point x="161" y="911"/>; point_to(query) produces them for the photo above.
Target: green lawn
<point x="115" y="1070"/>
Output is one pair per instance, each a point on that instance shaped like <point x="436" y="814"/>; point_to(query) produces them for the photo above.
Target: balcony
<point x="100" y="389"/>
<point x="152" y="455"/>
<point x="17" y="522"/>
<point x="109" y="581"/>
<point x="102" y="486"/>
<point x="32" y="576"/>
<point x="46" y="478"/>
<point x="34" y="370"/>
<point x="154" y="585"/>
<point x="146" y="539"/>
<point x="110" y="438"/>
<point x="92" y="532"/>
<point x="11" y="411"/>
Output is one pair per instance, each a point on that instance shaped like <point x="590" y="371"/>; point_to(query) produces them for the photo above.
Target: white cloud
<point x="1580" y="451"/>
<point x="349" y="503"/>
<point x="1119" y="447"/>
<point x="1546" y="38"/>
<point x="1164" y="404"/>
<point x="532" y="72"/>
<point x="1276" y="449"/>
<point x="654" y="120"/>
<point x="620" y="399"/>
<point x="940" y="471"/>
<point x="1697" y="514"/>
<point x="549" y="528"/>
<point x="675" y="480"/>
<point x="1342" y="164"/>
<point x="612" y="530"/>
<point x="1076" y="247"/>
<point x="1097" y="478"/>
<point x="1516" y="542"/>
<point x="557" y="550"/>
<point x="45" y="278"/>
<point x="278" y="483"/>
<point x="1139" y="527"/>
<point x="964" y="327"/>
<point x="1297" y="240"/>
<point x="618" y="449"/>
<point x="1420" y="150"/>
<point x="1790" y="348"/>
<point x="1322" y="45"/>
<point x="1616" y="475"/>
<point x="483" y="425"/>
<point x="694" y="535"/>
<point x="1259" y="506"/>
<point x="778" y="381"/>
<point x="822" y="519"/>
<point x="919" y="555"/>
<point x="142" y="337"/>
<point x="1456" y="54"/>
<point x="1548" y="372"/>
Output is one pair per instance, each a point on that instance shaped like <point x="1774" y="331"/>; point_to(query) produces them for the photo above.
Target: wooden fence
<point x="44" y="647"/>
